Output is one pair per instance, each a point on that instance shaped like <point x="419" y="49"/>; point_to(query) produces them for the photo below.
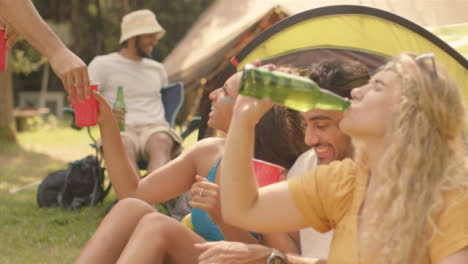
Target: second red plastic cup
<point x="267" y="173"/>
<point x="86" y="111"/>
<point x="3" y="51"/>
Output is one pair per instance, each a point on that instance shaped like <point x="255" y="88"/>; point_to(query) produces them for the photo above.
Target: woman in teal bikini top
<point x="280" y="142"/>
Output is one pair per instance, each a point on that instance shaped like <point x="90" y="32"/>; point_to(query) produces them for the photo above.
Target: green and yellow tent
<point x="367" y="34"/>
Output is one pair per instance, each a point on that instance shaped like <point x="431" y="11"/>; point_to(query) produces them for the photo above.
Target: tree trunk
<point x="44" y="85"/>
<point x="99" y="29"/>
<point x="74" y="25"/>
<point x="126" y="7"/>
<point x="140" y="4"/>
<point x="7" y="126"/>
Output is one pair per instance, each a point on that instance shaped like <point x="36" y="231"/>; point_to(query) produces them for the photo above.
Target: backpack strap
<point x="65" y="185"/>
<point x="97" y="184"/>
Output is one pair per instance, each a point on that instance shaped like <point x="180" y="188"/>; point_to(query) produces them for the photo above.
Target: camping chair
<point x="172" y="96"/>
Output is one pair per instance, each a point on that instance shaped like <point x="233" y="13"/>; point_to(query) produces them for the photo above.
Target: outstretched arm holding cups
<point x="21" y="16"/>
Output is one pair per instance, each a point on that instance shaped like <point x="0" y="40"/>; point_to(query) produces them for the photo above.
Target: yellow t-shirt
<point x="330" y="196"/>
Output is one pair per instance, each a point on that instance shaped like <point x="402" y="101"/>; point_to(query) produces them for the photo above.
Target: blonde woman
<point x="403" y="201"/>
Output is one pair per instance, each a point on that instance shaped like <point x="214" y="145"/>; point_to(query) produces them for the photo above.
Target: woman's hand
<point x="105" y="112"/>
<point x="251" y="109"/>
<point x="205" y="196"/>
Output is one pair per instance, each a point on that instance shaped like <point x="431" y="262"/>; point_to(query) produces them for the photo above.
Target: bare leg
<point x="130" y="150"/>
<point x="159" y="148"/>
<point x="161" y="239"/>
<point x="113" y="233"/>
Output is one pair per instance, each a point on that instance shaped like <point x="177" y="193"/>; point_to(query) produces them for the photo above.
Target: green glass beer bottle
<point x="295" y="92"/>
<point x="120" y="104"/>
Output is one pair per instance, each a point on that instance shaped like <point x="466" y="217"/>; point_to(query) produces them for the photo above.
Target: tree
<point x="22" y="61"/>
<point x="7" y="126"/>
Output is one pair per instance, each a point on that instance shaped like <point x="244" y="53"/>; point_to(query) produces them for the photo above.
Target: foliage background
<point x="92" y="27"/>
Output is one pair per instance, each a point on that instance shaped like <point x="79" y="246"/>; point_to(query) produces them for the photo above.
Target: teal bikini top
<point x="202" y="223"/>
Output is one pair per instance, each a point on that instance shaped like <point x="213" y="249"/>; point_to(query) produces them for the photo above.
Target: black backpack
<point x="81" y="184"/>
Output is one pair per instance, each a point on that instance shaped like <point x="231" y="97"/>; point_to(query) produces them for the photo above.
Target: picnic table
<point x="23" y="114"/>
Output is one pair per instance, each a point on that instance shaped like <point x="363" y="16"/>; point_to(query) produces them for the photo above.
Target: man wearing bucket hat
<point x="146" y="133"/>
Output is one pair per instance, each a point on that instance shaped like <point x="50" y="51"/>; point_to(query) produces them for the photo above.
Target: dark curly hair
<point x="339" y="75"/>
<point x="280" y="133"/>
<point x="279" y="137"/>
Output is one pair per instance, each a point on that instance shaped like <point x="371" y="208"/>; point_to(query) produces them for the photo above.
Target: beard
<point x="139" y="51"/>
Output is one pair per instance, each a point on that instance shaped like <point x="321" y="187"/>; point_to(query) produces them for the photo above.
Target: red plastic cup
<point x="86" y="111"/>
<point x="3" y="51"/>
<point x="267" y="173"/>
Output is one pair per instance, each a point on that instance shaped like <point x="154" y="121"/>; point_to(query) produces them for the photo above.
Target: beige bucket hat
<point x="138" y="23"/>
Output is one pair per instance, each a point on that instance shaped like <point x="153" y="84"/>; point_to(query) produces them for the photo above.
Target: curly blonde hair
<point x="424" y="158"/>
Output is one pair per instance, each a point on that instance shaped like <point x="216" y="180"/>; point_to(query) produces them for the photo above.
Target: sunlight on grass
<point x="68" y="144"/>
<point x="33" y="235"/>
<point x="65" y="143"/>
<point x="30" y="234"/>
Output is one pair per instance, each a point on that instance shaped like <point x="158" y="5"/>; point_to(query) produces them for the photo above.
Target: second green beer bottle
<point x="295" y="92"/>
<point x="120" y="104"/>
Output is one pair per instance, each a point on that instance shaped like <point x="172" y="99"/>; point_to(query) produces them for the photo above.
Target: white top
<point x="307" y="161"/>
<point x="141" y="82"/>
<point x="313" y="243"/>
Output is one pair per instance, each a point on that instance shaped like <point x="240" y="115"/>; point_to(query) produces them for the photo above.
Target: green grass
<point x="29" y="234"/>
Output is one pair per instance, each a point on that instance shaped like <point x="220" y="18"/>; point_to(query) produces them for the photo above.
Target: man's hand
<point x="232" y="253"/>
<point x="11" y="35"/>
<point x="224" y="252"/>
<point x="69" y="68"/>
<point x="72" y="71"/>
